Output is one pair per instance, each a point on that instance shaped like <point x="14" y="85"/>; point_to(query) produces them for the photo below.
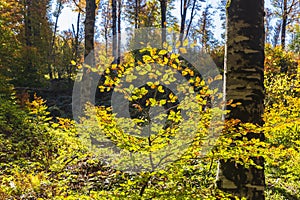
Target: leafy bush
<point x="41" y="158"/>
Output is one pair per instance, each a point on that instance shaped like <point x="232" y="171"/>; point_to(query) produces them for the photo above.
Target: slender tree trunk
<point x="284" y="23"/>
<point x="183" y="12"/>
<point x="76" y="45"/>
<point x="51" y="55"/>
<point x="244" y="83"/>
<point x="119" y="28"/>
<point x="163" y="8"/>
<point x="89" y="31"/>
<point x="77" y="37"/>
<point x="114" y="28"/>
<point x="204" y="29"/>
<point x="136" y="16"/>
<point x="191" y="19"/>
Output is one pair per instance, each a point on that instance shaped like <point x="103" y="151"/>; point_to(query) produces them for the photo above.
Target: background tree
<point x="114" y="28"/>
<point x="244" y="75"/>
<point x="133" y="10"/>
<point x="222" y="17"/>
<point x="56" y="14"/>
<point x="120" y="6"/>
<point x="268" y="25"/>
<point x="11" y="18"/>
<point x="105" y="22"/>
<point x="287" y="11"/>
<point x="295" y="43"/>
<point x="205" y="29"/>
<point x="163" y="12"/>
<point x="185" y="5"/>
<point x="37" y="42"/>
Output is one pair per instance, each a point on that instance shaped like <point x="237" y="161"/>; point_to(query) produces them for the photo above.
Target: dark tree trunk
<point x="75" y="46"/>
<point x="163" y="10"/>
<point x="77" y="37"/>
<point x="136" y="16"/>
<point x="183" y="12"/>
<point x="51" y="55"/>
<point x="284" y="23"/>
<point x="89" y="31"/>
<point x="244" y="72"/>
<point x="204" y="38"/>
<point x="119" y="28"/>
<point x="89" y="26"/>
<point x="191" y="19"/>
<point x="114" y="28"/>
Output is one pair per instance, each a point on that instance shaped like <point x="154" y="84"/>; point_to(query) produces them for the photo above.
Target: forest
<point x="150" y="99"/>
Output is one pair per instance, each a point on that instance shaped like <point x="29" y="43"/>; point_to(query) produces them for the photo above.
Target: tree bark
<point x="119" y="28"/>
<point x="183" y="12"/>
<point x="163" y="10"/>
<point x="89" y="31"/>
<point x="244" y="73"/>
<point x="114" y="28"/>
<point x="284" y="23"/>
<point x="136" y="16"/>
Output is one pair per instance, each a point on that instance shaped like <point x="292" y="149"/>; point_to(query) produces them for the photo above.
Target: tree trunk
<point x="89" y="32"/>
<point x="114" y="28"/>
<point x="163" y="9"/>
<point x="183" y="12"/>
<point x="204" y="29"/>
<point x="119" y="28"/>
<point x="51" y="54"/>
<point x="191" y="19"/>
<point x="136" y="15"/>
<point x="244" y="72"/>
<point x="284" y="23"/>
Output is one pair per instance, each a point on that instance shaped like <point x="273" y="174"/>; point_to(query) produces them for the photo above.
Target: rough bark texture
<point x="244" y="76"/>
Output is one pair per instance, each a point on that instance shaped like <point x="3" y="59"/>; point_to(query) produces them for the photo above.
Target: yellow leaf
<point x="165" y="60"/>
<point x="184" y="73"/>
<point x="162" y="52"/>
<point x="185" y="42"/>
<point x="162" y="102"/>
<point x="114" y="66"/>
<point x="218" y="77"/>
<point x="182" y="50"/>
<point x="173" y="56"/>
<point x="160" y="89"/>
<point x="177" y="44"/>
<point x="209" y="80"/>
<point x="152" y="101"/>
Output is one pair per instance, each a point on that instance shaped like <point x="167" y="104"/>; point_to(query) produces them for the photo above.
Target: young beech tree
<point x="244" y="72"/>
